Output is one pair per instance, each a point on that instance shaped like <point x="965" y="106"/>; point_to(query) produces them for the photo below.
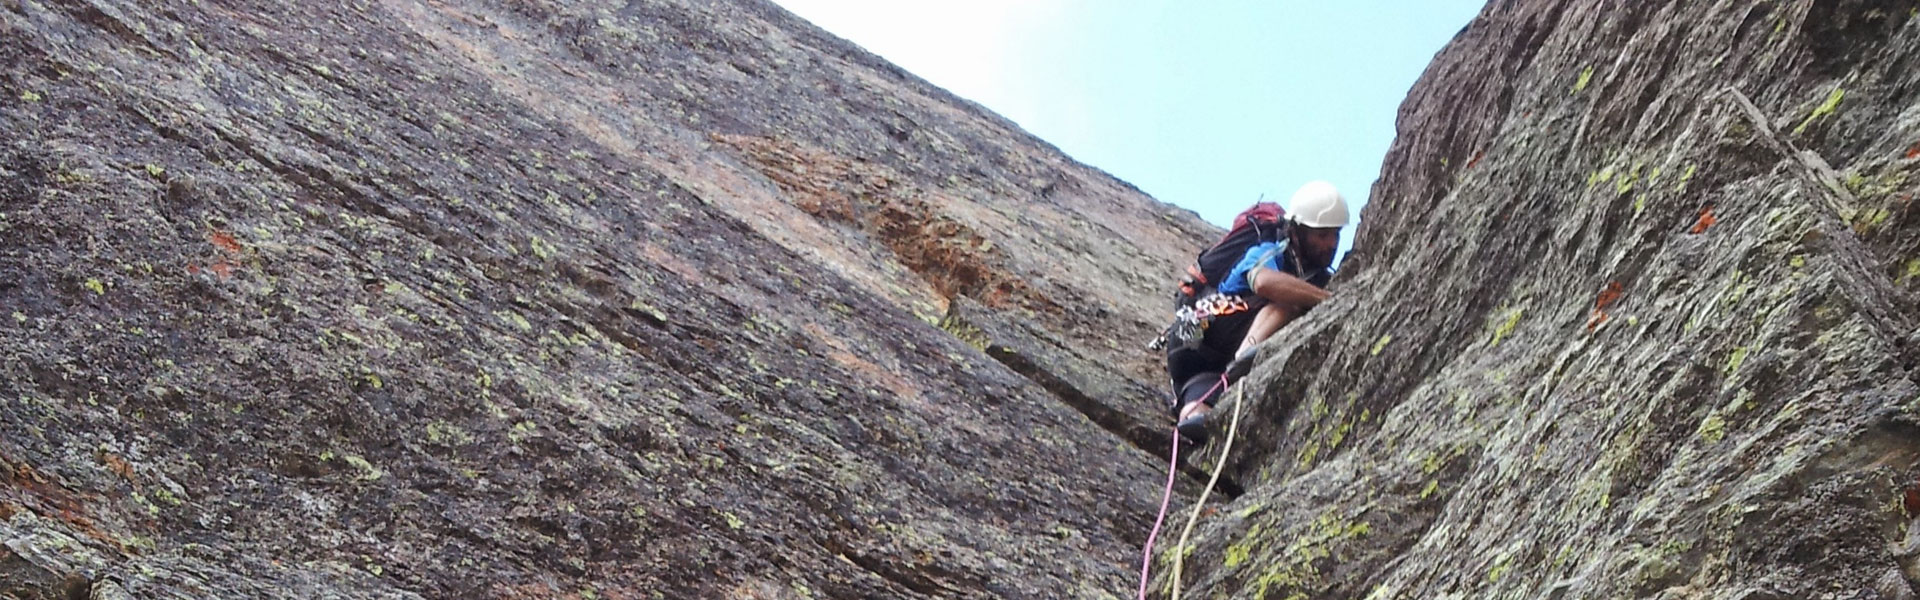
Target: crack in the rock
<point x="1878" y="297"/>
<point x="1146" y="439"/>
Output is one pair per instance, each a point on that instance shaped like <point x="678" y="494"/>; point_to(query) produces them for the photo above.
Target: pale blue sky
<point x="1206" y="105"/>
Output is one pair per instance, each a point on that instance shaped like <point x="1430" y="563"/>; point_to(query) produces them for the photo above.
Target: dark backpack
<point x="1260" y="223"/>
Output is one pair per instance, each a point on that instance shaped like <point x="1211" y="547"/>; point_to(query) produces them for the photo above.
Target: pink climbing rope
<point x="1146" y="561"/>
<point x="1173" y="467"/>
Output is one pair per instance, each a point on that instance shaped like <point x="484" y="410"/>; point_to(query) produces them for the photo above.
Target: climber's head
<point x="1317" y="213"/>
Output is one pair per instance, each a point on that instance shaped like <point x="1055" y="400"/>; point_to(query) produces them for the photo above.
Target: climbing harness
<point x="1173" y="468"/>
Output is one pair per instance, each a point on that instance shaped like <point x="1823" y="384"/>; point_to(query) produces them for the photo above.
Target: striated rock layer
<point x="685" y="299"/>
<point x="469" y="299"/>
<point x="1633" y="316"/>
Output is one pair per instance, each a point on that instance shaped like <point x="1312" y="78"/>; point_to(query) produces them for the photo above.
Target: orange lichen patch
<point x="945" y="249"/>
<point x="1610" y="295"/>
<point x="224" y="241"/>
<point x="1706" y="220"/>
<point x="27" y="476"/>
<point x="1476" y="158"/>
<point x="667" y="260"/>
<point x="1913" y="499"/>
<point x="223" y="268"/>
<point x="1598" y="318"/>
<point x="46" y="497"/>
<point x="1914" y="150"/>
<point x="118" y="465"/>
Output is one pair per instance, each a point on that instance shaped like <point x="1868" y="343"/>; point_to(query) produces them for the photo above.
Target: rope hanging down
<point x="1179" y="553"/>
<point x="1146" y="560"/>
<point x="1173" y="467"/>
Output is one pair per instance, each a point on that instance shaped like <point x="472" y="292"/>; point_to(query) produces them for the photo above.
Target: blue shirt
<point x="1272" y="255"/>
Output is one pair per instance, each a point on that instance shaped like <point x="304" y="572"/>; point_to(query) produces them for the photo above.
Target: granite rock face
<point x="687" y="299"/>
<point x="1632" y="316"/>
<point x="551" y="300"/>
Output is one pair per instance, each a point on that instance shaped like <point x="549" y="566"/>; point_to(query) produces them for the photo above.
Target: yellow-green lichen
<point x="1713" y="429"/>
<point x="1586" y="76"/>
<point x="1744" y="400"/>
<point x="1251" y="510"/>
<point x="966" y="332"/>
<point x="540" y="248"/>
<point x="1870" y="219"/>
<point x="522" y="431"/>
<point x="367" y="470"/>
<point x="1382" y="344"/>
<point x="1339" y="435"/>
<point x="1500" y="568"/>
<point x="1826" y="108"/>
<point x="515" y="319"/>
<point x="1238" y="552"/>
<point x="97" y="287"/>
<point x="1739" y="355"/>
<point x="1627" y="181"/>
<point x="1685" y="177"/>
<point x="1854" y="181"/>
<point x="151" y="508"/>
<point x="1506" y="327"/>
<point x="442" y="432"/>
<point x="30" y="96"/>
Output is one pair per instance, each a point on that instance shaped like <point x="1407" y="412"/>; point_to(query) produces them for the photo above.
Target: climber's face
<point x="1317" y="244"/>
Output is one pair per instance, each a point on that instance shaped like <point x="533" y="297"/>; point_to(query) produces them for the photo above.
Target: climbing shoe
<point x="1240" y="366"/>
<point x="1193" y="430"/>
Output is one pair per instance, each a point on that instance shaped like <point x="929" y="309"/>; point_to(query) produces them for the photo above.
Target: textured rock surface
<point x="687" y="299"/>
<point x="549" y="300"/>
<point x="1632" y="316"/>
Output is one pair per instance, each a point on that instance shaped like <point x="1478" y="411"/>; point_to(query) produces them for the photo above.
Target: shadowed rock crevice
<point x="1126" y="408"/>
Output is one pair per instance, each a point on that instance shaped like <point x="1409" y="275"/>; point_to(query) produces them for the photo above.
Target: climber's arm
<point x="1285" y="289"/>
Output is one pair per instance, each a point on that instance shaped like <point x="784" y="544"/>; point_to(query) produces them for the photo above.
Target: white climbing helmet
<point x="1317" y="204"/>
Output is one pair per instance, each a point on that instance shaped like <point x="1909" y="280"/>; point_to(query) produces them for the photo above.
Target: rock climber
<point x="1279" y="276"/>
